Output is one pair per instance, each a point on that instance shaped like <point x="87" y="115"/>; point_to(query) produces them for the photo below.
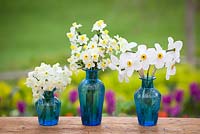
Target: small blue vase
<point x="91" y="96"/>
<point x="147" y="101"/>
<point x="48" y="109"/>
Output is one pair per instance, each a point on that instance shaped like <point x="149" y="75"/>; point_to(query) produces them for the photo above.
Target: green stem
<point x="170" y="50"/>
<point x="148" y="71"/>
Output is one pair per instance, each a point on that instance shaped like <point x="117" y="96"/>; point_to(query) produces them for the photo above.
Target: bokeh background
<point x="33" y="31"/>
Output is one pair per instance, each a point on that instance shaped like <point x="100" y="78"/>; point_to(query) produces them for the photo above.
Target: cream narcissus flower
<point x="129" y="62"/>
<point x="86" y="56"/>
<point x="177" y="46"/>
<point x="94" y="54"/>
<point x="114" y="64"/>
<point x="171" y="69"/>
<point x="82" y="39"/>
<point x="146" y="56"/>
<point x="47" y="78"/>
<point x="103" y="64"/>
<point x="98" y="25"/>
<point x="92" y="45"/>
<point x="159" y="56"/>
<point x="89" y="64"/>
<point x="124" y="45"/>
<point x="75" y="25"/>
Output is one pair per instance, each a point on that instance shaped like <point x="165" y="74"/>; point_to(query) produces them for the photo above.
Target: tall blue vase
<point x="48" y="109"/>
<point x="147" y="101"/>
<point x="91" y="96"/>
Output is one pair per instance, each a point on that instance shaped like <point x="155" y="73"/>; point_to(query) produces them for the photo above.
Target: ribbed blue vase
<point x="48" y="109"/>
<point x="147" y="100"/>
<point x="91" y="96"/>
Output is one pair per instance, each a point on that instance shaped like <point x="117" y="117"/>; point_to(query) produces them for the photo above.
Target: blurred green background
<point x="32" y="31"/>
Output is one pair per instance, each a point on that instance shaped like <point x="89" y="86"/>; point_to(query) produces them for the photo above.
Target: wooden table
<point x="110" y="125"/>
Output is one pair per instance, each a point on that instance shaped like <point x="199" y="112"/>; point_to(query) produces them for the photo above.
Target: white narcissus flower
<point x="98" y="25"/>
<point x="129" y="62"/>
<point x="82" y="39"/>
<point x="177" y="46"/>
<point x="46" y="78"/>
<point x="89" y="64"/>
<point x="94" y="54"/>
<point x="76" y="25"/>
<point x="124" y="45"/>
<point x="160" y="56"/>
<point x="146" y="56"/>
<point x="103" y="64"/>
<point x="86" y="56"/>
<point x="92" y="45"/>
<point x="123" y="76"/>
<point x="114" y="63"/>
<point x="171" y="69"/>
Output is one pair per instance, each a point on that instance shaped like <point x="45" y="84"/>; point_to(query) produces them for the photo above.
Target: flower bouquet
<point x="44" y="81"/>
<point x="91" y="55"/>
<point x="147" y="98"/>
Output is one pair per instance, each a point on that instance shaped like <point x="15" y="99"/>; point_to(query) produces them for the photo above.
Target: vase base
<point x="148" y="123"/>
<point x="48" y="123"/>
<point x="91" y="124"/>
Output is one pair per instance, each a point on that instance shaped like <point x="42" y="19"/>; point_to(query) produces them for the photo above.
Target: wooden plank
<point x="110" y="125"/>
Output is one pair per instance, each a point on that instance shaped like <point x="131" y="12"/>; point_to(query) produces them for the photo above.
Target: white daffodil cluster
<point x="94" y="53"/>
<point x="47" y="78"/>
<point x="144" y="58"/>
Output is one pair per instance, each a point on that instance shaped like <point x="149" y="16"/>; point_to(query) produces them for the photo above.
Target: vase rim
<point x="91" y="69"/>
<point x="148" y="78"/>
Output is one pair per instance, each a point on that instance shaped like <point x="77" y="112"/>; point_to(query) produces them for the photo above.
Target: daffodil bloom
<point x="98" y="25"/>
<point x="124" y="45"/>
<point x="160" y="56"/>
<point x="145" y="56"/>
<point x="129" y="62"/>
<point x="171" y="69"/>
<point x="82" y="39"/>
<point x="76" y="25"/>
<point x="92" y="45"/>
<point x="175" y="48"/>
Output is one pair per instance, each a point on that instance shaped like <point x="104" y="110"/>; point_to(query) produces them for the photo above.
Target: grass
<point x="32" y="31"/>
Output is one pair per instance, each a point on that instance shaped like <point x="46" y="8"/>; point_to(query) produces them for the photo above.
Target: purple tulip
<point x="21" y="106"/>
<point x="171" y="99"/>
<point x="195" y="91"/>
<point x="178" y="96"/>
<point x="175" y="111"/>
<point x="110" y="102"/>
<point x="73" y="95"/>
<point x="167" y="99"/>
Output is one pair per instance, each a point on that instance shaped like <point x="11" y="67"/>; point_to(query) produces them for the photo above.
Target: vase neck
<point x="48" y="95"/>
<point x="91" y="74"/>
<point x="147" y="82"/>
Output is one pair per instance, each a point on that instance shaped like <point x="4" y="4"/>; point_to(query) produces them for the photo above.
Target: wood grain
<point x="110" y="125"/>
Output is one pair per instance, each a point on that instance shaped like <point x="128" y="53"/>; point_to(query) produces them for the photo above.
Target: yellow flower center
<point x="89" y="65"/>
<point x="104" y="42"/>
<point x="160" y="56"/>
<point x="143" y="57"/>
<point x="129" y="63"/>
<point x="72" y="47"/>
<point x="69" y="35"/>
<point x="110" y="49"/>
<point x="95" y="56"/>
<point x="85" y="47"/>
<point x="78" y="55"/>
<point x="100" y="22"/>
<point x="82" y="37"/>
<point x="85" y="57"/>
<point x="106" y="31"/>
<point x="92" y="46"/>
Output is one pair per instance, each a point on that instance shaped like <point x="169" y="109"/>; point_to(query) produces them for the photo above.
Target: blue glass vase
<point x="91" y="96"/>
<point x="48" y="109"/>
<point x="147" y="101"/>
